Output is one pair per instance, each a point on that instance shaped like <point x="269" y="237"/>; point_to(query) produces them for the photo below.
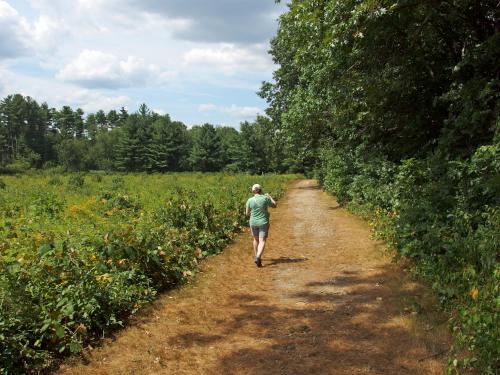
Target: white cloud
<point x="235" y="21"/>
<point x="47" y="32"/>
<point x="239" y="112"/>
<point x="92" y="101"/>
<point x="161" y="112"/>
<point x="75" y="52"/>
<point x="97" y="69"/>
<point x="14" y="33"/>
<point x="207" y="107"/>
<point x="229" y="58"/>
<point x="58" y="94"/>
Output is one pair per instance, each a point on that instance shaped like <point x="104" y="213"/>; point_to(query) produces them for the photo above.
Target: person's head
<point x="256" y="189"/>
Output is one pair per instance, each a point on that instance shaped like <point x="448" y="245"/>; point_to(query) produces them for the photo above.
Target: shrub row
<point x="75" y="263"/>
<point x="445" y="216"/>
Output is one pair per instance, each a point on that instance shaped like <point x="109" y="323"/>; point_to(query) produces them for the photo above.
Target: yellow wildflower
<point x="473" y="293"/>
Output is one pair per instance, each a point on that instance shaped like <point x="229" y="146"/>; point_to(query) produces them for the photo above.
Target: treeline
<point x="394" y="106"/>
<point x="33" y="135"/>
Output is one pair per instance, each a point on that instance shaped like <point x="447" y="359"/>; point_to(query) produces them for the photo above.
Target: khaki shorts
<point x="261" y="231"/>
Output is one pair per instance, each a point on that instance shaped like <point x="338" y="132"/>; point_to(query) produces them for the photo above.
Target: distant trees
<point x="205" y="155"/>
<point x="25" y="133"/>
<point x="34" y="135"/>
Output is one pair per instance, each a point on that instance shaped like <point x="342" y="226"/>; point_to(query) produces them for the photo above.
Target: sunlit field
<point x="81" y="252"/>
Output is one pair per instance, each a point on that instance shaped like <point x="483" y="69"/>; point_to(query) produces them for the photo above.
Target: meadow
<point x="79" y="253"/>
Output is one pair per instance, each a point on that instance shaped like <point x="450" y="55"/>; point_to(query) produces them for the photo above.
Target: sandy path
<point x="327" y="301"/>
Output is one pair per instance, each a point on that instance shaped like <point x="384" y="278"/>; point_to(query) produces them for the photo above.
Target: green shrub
<point x="443" y="214"/>
<point x="117" y="183"/>
<point x="45" y="204"/>
<point x="76" y="181"/>
<point x="80" y="261"/>
<point x="97" y="178"/>
<point x="54" y="181"/>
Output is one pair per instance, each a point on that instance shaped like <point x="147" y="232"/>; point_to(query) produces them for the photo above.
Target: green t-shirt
<point x="258" y="210"/>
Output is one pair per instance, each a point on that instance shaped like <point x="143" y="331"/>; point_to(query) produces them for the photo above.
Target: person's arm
<point x="273" y="202"/>
<point x="247" y="208"/>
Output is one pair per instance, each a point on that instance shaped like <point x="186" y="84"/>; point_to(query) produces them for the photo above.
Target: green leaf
<point x="59" y="331"/>
<point x="75" y="347"/>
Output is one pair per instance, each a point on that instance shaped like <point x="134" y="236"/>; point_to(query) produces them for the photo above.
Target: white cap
<point x="256" y="188"/>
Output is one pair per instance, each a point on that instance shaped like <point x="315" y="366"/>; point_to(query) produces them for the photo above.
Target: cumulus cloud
<point x="97" y="69"/>
<point x="57" y="94"/>
<point x="239" y="112"/>
<point x="92" y="101"/>
<point x="46" y="32"/>
<point x="237" y="21"/>
<point x="180" y="50"/>
<point x="229" y="58"/>
<point x="14" y="32"/>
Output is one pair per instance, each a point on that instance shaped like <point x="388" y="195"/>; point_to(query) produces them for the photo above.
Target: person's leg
<point x="263" y="233"/>
<point x="255" y="235"/>
<point x="261" y="246"/>
<point x="255" y="245"/>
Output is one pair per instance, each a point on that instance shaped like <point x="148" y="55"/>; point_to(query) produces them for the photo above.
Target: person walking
<point x="256" y="210"/>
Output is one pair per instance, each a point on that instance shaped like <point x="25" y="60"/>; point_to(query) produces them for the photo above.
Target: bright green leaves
<point x="394" y="105"/>
<point x="74" y="270"/>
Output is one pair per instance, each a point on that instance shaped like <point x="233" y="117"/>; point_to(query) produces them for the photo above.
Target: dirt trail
<point x="327" y="301"/>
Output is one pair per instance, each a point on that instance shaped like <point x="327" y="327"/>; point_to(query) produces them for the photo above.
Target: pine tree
<point x="206" y="149"/>
<point x="168" y="145"/>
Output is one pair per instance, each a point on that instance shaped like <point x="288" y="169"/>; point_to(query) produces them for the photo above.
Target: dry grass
<point x="327" y="301"/>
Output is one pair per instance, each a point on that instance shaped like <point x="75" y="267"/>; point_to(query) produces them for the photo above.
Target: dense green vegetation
<point x="79" y="253"/>
<point x="37" y="136"/>
<point x="394" y="105"/>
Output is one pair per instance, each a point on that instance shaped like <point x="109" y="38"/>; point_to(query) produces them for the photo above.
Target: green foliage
<point x="34" y="136"/>
<point x="76" y="180"/>
<point x="205" y="155"/>
<point x="73" y="154"/>
<point x="55" y="181"/>
<point x="394" y="105"/>
<point x="45" y="204"/>
<point x="97" y="177"/>
<point x="117" y="182"/>
<point x="75" y="263"/>
<point x="444" y="215"/>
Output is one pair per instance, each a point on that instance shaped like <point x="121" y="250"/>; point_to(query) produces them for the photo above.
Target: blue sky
<point x="198" y="60"/>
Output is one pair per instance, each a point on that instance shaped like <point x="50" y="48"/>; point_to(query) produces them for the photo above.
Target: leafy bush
<point x="443" y="214"/>
<point x="75" y="263"/>
<point x="54" y="181"/>
<point x="45" y="204"/>
<point x="97" y="177"/>
<point x="117" y="183"/>
<point x="76" y="181"/>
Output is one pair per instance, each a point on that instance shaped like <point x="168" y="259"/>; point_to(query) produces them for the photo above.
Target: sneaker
<point x="258" y="262"/>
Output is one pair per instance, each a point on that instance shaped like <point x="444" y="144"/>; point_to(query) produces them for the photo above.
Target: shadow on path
<point x="309" y="187"/>
<point x="282" y="260"/>
<point x="324" y="330"/>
